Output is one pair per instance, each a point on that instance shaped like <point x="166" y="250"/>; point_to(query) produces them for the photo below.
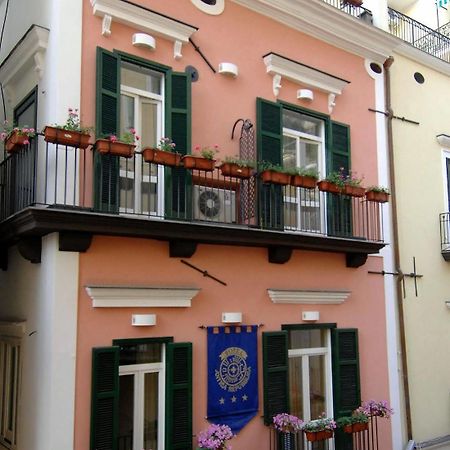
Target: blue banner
<point x="232" y="375"/>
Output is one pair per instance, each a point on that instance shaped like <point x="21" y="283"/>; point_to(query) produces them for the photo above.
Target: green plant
<point x="240" y="162"/>
<point x="165" y="144"/>
<point x="73" y="122"/>
<point x="21" y="131"/>
<point x="341" y="179"/>
<point x="352" y="180"/>
<point x="356" y="417"/>
<point x="207" y="152"/>
<point x="266" y="165"/>
<point x="323" y="423"/>
<point x="336" y="178"/>
<point x="128" y="137"/>
<point x="303" y="172"/>
<point x="378" y="189"/>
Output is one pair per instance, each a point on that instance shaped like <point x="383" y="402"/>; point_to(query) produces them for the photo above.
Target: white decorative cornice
<point x="28" y="54"/>
<point x="141" y="19"/>
<point x="154" y="297"/>
<point x="443" y="140"/>
<point x="308" y="297"/>
<point x="304" y="75"/>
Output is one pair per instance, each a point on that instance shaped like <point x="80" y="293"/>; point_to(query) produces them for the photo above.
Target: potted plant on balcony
<point x="164" y="154"/>
<point x="358" y="421"/>
<point x="204" y="160"/>
<point x="16" y="137"/>
<point x="319" y="429"/>
<point x="373" y="408"/>
<point x="215" y="437"/>
<point x="333" y="182"/>
<point x="274" y="173"/>
<point x="287" y="426"/>
<point x="377" y="194"/>
<point x="72" y="133"/>
<point x="352" y="185"/>
<point x="123" y="145"/>
<point x="233" y="166"/>
<point x="303" y="177"/>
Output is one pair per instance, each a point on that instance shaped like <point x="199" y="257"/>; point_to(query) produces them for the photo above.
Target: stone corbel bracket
<point x="143" y="20"/>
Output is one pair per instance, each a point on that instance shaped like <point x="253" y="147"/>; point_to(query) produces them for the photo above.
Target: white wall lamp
<point x="447" y="303"/>
<point x="143" y="320"/>
<point x="310" y="316"/>
<point x="144" y="40"/>
<point x="231" y="317"/>
<point x="229" y="69"/>
<point x="305" y="94"/>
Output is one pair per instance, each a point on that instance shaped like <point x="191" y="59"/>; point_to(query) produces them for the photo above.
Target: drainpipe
<point x="396" y="250"/>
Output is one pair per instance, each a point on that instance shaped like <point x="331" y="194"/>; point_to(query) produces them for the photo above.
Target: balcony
<point x="355" y="11"/>
<point x="48" y="188"/>
<point x="444" y="220"/>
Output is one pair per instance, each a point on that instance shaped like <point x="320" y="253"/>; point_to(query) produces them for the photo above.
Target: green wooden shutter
<point x="104" y="398"/>
<point x="269" y="144"/>
<point x="346" y="383"/>
<point x="275" y="374"/>
<point x="339" y="207"/>
<point x="106" y="167"/>
<point x="178" y="127"/>
<point x="179" y="396"/>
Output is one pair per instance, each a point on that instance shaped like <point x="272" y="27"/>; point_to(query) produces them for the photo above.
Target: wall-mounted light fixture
<point x="230" y="69"/>
<point x="231" y="317"/>
<point x="305" y="94"/>
<point x="447" y="303"/>
<point x="310" y="316"/>
<point x="144" y="40"/>
<point x="143" y="320"/>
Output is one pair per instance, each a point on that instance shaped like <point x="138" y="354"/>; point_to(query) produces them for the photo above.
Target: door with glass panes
<point x="303" y="146"/>
<point x="142" y="109"/>
<point x="310" y="379"/>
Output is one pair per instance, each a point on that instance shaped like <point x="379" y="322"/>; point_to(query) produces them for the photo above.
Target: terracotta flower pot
<point x="15" y="141"/>
<point x="380" y="197"/>
<point x="327" y="186"/>
<point x="66" y="137"/>
<point x="153" y="155"/>
<point x="234" y="170"/>
<point x="354" y="191"/>
<point x="303" y="181"/>
<point x="271" y="176"/>
<point x="348" y="429"/>
<point x="313" y="436"/>
<point x="360" y="426"/>
<point x="198" y="163"/>
<point x="105" y="146"/>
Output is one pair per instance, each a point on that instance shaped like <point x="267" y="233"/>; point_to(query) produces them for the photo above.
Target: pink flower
<point x="26" y="142"/>
<point x="132" y="131"/>
<point x="3" y="136"/>
<point x="70" y="110"/>
<point x="137" y="138"/>
<point x="197" y="147"/>
<point x="113" y="138"/>
<point x="216" y="146"/>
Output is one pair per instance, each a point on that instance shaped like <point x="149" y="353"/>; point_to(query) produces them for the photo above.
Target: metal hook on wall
<point x="246" y="125"/>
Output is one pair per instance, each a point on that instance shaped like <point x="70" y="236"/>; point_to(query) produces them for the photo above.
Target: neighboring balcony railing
<point x="355" y="11"/>
<point x="444" y="219"/>
<point x="419" y="35"/>
<point x="58" y="176"/>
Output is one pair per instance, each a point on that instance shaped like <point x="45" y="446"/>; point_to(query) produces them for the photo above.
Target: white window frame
<point x="139" y="97"/>
<point x="139" y="371"/>
<point x="445" y="157"/>
<point x="300" y="136"/>
<point x="304" y="354"/>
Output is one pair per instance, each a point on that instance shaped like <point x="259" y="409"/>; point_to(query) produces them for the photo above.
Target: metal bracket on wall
<point x="390" y="114"/>
<point x="402" y="276"/>
<point x="204" y="272"/>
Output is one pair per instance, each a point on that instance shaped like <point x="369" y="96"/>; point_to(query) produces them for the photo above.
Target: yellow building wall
<point x="420" y="197"/>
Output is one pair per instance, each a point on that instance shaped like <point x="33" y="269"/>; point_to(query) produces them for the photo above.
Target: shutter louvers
<point x="105" y="398"/>
<point x="269" y="143"/>
<point x="179" y="397"/>
<point x="275" y="374"/>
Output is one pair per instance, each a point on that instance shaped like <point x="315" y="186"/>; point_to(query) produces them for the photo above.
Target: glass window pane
<point x="317" y="385"/>
<point x="126" y="412"/>
<point x="126" y="113"/>
<point x="141" y="78"/>
<point x="140" y="353"/>
<point x="307" y="338"/>
<point x="289" y="151"/>
<point x="301" y="122"/>
<point x="151" y="411"/>
<point x="149" y="135"/>
<point x="309" y="155"/>
<point x="296" y="386"/>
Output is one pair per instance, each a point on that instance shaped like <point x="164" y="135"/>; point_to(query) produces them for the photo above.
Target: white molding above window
<point x="443" y="140"/>
<point x="129" y="296"/>
<point x="142" y="19"/>
<point x="28" y="54"/>
<point x="214" y="10"/>
<point x="12" y="329"/>
<point x="308" y="297"/>
<point x="305" y="76"/>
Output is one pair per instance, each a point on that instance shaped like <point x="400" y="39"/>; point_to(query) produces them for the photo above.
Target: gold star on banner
<point x="244" y="398"/>
<point x="222" y="401"/>
<point x="233" y="399"/>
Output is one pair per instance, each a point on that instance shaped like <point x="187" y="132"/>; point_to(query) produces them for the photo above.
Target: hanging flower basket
<point x="235" y="170"/>
<point x="116" y="148"/>
<point x="379" y="197"/>
<point x="15" y="141"/>
<point x="274" y="177"/>
<point x="327" y="186"/>
<point x="66" y="137"/>
<point x="313" y="436"/>
<point x="354" y="191"/>
<point x="198" y="163"/>
<point x="303" y="181"/>
<point x="165" y="158"/>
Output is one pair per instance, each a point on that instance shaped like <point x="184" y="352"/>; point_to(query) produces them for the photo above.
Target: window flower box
<point x="353" y="191"/>
<point x="70" y="138"/>
<point x="235" y="170"/>
<point x="313" y="436"/>
<point x="15" y="141"/>
<point x="116" y="148"/>
<point x="163" y="157"/>
<point x="198" y="163"/>
<point x="274" y="177"/>
<point x="379" y="197"/>
<point x="328" y="186"/>
<point x="303" y="181"/>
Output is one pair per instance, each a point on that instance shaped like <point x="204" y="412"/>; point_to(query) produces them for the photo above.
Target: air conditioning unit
<point x="214" y="204"/>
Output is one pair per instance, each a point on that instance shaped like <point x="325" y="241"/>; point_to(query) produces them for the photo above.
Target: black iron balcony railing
<point x="57" y="176"/>
<point x="444" y="220"/>
<point x="419" y="35"/>
<point x="355" y="11"/>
